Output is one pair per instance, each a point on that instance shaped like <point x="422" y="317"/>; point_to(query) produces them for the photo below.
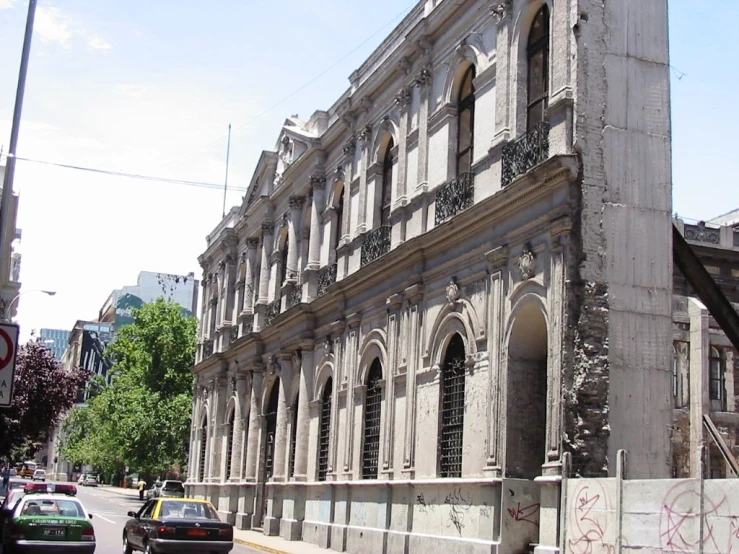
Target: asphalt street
<point x="110" y="511"/>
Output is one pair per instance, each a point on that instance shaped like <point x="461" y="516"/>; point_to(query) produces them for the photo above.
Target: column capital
<point x="252" y="243"/>
<point x="403" y="97"/>
<point x="268" y="228"/>
<point x="318" y="181"/>
<point x="296" y="202"/>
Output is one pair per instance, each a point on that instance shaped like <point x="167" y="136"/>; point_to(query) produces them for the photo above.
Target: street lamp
<point x="9" y="307"/>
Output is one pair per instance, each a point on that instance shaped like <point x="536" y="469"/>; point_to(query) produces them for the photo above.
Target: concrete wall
<point x="611" y="515"/>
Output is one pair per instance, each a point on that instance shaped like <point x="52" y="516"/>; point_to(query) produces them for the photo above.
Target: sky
<point x="150" y="88"/>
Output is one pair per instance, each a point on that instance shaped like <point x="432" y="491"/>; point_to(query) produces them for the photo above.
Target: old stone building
<point x="437" y="287"/>
<point x="705" y="370"/>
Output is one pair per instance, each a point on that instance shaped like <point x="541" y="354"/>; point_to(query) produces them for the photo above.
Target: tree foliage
<point x="43" y="392"/>
<point x="142" y="419"/>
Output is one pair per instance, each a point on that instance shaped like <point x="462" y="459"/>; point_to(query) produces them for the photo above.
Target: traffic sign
<point x="8" y="351"/>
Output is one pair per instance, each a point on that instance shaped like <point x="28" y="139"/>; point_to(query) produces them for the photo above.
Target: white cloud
<point x="125" y="89"/>
<point x="6" y="4"/>
<point x="99" y="43"/>
<point x="52" y="26"/>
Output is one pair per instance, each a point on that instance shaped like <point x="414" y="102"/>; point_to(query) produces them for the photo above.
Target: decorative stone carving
<point x="274" y="368"/>
<point x="424" y="77"/>
<point x="405" y="65"/>
<point x="268" y="228"/>
<point x="286" y="150"/>
<point x="318" y="182"/>
<point x="366" y="103"/>
<point x="365" y="134"/>
<point x="500" y="10"/>
<point x="527" y="262"/>
<point x="403" y="97"/>
<point x="328" y="346"/>
<point x="339" y="174"/>
<point x="452" y="292"/>
<point x="350" y="147"/>
<point x="701" y="233"/>
<point x="252" y="243"/>
<point x="296" y="202"/>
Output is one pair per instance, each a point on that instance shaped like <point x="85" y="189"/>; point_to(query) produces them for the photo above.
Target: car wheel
<point x="126" y="547"/>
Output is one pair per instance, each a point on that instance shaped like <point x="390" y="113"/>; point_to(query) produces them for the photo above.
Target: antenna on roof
<point x="225" y="184"/>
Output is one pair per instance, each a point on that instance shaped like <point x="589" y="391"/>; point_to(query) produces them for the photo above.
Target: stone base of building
<point x="318" y="533"/>
<point x="243" y="521"/>
<point x="291" y="529"/>
<point x="271" y="526"/>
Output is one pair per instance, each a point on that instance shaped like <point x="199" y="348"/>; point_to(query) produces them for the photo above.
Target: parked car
<point x="176" y="526"/>
<point x="90" y="480"/>
<point x="11" y="500"/>
<point x="48" y="518"/>
<point x="172" y="489"/>
<point x="39" y="475"/>
<point x="153" y="492"/>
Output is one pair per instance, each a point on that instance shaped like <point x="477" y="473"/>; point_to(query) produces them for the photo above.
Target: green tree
<point x="142" y="420"/>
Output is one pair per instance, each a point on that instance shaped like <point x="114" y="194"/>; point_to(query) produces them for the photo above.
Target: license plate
<point x="54" y="532"/>
<point x="197" y="532"/>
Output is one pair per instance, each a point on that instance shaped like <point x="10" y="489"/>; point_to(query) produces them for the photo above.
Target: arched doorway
<point x="527" y="394"/>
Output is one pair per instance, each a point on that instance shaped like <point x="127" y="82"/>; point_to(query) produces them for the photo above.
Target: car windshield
<point x="173" y="486"/>
<point x="178" y="509"/>
<point x="55" y="507"/>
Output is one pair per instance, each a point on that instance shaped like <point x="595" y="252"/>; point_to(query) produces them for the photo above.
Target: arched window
<point x="203" y="451"/>
<point x="452" y="409"/>
<point x="466" y="127"/>
<point x="230" y="446"/>
<point x="339" y="217"/>
<point x="271" y="429"/>
<point x="372" y="416"/>
<point x="716" y="377"/>
<point x="538" y="69"/>
<point x="387" y="184"/>
<point x="324" y="431"/>
<point x="283" y="268"/>
<point x="294" y="436"/>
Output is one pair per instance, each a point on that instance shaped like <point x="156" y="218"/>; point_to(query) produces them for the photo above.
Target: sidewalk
<point x="252" y="539"/>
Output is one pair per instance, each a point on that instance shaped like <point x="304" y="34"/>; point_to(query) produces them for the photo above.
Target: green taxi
<point x="49" y="519"/>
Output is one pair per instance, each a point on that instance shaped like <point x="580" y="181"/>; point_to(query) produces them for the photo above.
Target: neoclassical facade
<point x="431" y="297"/>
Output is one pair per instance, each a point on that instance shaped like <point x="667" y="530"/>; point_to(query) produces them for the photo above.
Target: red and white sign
<point x="8" y="351"/>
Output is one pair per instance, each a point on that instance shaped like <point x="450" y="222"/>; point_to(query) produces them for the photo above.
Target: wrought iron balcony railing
<point x="295" y="297"/>
<point x="326" y="278"/>
<point x="273" y="310"/>
<point x="233" y="333"/>
<point x="248" y="324"/>
<point x="455" y="196"/>
<point x="376" y="243"/>
<point x="519" y="156"/>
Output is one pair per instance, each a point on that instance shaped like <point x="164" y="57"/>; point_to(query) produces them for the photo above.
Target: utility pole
<point x="10" y="163"/>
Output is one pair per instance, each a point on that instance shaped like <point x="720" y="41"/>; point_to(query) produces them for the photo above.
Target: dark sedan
<point x="182" y="525"/>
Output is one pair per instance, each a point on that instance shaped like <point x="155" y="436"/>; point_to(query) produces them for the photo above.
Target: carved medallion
<point x="452" y="292"/>
<point x="527" y="263"/>
<point x="500" y="10"/>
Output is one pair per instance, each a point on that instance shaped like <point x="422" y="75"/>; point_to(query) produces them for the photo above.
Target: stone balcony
<point x="523" y="154"/>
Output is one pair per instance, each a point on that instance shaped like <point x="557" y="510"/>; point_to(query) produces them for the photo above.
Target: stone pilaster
<point x="414" y="295"/>
<point x="350" y="362"/>
<point x="255" y="425"/>
<point x="268" y="230"/>
<point x="316" y="209"/>
<point x="293" y="226"/>
<point x="365" y="140"/>
<point x="394" y="304"/>
<point x="307" y="371"/>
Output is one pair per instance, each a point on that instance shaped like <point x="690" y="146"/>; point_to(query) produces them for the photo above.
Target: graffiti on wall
<point x="588" y="516"/>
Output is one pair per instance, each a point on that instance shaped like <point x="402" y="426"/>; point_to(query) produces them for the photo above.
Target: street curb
<point x="261" y="547"/>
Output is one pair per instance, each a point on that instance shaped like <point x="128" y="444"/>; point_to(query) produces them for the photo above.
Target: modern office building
<point x="55" y="340"/>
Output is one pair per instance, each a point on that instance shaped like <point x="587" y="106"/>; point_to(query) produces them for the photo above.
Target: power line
<point x="131" y="175"/>
<point x="299" y="89"/>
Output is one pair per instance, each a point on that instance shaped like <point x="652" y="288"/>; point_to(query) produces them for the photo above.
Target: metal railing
<point x="273" y="310"/>
<point x="455" y="196"/>
<point x="326" y="278"/>
<point x="521" y="155"/>
<point x="376" y="244"/>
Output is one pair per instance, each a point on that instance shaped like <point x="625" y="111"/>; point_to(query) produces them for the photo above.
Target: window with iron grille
<point x="230" y="447"/>
<point x="283" y="266"/>
<point x="294" y="437"/>
<point x="716" y="376"/>
<point x="452" y="409"/>
<point x="203" y="451"/>
<point x="372" y="415"/>
<point x="271" y="429"/>
<point x="325" y="431"/>
<point x="466" y="127"/>
<point x="538" y="69"/>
